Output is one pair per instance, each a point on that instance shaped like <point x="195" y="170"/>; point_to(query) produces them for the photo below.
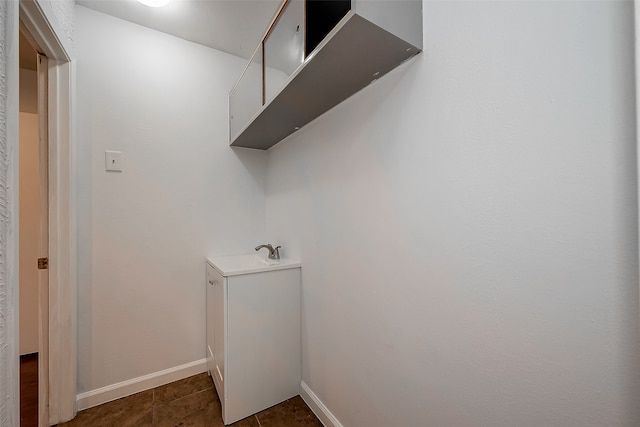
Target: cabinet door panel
<point x="284" y="49"/>
<point x="246" y="98"/>
<point x="219" y="332"/>
<point x="210" y="318"/>
<point x="216" y="329"/>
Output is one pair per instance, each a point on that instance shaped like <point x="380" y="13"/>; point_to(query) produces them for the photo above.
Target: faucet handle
<point x="276" y="252"/>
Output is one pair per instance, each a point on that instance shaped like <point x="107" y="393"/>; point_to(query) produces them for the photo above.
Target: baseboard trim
<point x="322" y="412"/>
<point x="126" y="388"/>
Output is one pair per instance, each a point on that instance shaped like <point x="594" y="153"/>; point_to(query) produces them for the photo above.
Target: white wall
<point x="184" y="194"/>
<point x="9" y="262"/>
<point x="468" y="226"/>
<point x="60" y="16"/>
<point x="29" y="222"/>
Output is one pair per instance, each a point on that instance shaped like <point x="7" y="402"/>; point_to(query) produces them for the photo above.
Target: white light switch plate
<point x="113" y="161"/>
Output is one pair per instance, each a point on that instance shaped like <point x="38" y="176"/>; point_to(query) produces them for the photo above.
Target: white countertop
<point x="233" y="265"/>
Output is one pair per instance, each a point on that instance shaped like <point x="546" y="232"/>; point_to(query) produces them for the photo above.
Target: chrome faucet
<point x="274" y="253"/>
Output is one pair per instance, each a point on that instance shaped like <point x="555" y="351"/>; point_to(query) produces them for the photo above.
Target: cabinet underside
<point x="356" y="53"/>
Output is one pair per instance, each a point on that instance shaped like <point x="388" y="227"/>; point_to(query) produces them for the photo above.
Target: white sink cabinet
<point x="253" y="333"/>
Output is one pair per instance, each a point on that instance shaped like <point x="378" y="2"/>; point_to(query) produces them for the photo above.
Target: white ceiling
<point x="234" y="26"/>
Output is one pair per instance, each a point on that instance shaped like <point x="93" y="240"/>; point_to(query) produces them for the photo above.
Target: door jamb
<point x="43" y="240"/>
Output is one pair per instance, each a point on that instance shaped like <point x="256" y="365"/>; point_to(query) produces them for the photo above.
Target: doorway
<point x="44" y="25"/>
<point x="33" y="235"/>
<point x="57" y="360"/>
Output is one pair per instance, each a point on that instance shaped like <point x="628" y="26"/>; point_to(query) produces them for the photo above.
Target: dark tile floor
<point x="190" y="402"/>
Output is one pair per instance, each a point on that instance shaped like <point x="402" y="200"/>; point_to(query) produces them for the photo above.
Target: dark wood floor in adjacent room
<point x="29" y="390"/>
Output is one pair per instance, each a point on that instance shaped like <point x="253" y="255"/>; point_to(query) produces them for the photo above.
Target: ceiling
<point x="233" y="26"/>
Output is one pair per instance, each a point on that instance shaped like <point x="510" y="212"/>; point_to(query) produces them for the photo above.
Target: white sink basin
<point x="233" y="265"/>
<point x="268" y="261"/>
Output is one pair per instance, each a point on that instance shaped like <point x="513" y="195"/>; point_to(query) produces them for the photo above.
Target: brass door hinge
<point x="43" y="263"/>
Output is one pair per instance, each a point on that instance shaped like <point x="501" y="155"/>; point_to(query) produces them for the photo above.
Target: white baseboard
<point x="126" y="388"/>
<point x="322" y="412"/>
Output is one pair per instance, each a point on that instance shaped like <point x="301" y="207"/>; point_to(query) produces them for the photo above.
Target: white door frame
<point x="62" y="227"/>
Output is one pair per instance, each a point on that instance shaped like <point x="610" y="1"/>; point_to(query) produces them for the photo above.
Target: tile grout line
<point x="258" y="420"/>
